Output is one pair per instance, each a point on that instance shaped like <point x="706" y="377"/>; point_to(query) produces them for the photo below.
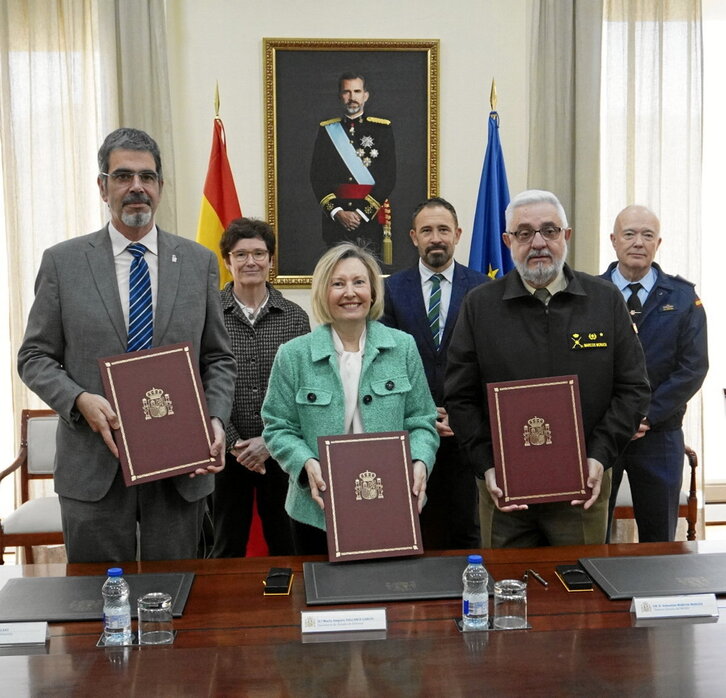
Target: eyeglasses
<point x="147" y="177"/>
<point x="257" y="255"/>
<point x="549" y="232"/>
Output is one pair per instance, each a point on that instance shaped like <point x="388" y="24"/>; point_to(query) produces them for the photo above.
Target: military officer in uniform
<point x="671" y="326"/>
<point x="353" y="169"/>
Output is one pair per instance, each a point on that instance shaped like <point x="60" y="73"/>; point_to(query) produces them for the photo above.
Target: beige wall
<point x="221" y="40"/>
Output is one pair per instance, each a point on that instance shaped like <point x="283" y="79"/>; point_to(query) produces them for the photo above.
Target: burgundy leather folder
<point x="158" y="397"/>
<point x="370" y="511"/>
<point x="538" y="440"/>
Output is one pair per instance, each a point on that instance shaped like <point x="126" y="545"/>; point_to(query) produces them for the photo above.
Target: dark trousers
<point x="232" y="507"/>
<point x="450" y="519"/>
<point x="655" y="472"/>
<point x="309" y="540"/>
<point x="106" y="530"/>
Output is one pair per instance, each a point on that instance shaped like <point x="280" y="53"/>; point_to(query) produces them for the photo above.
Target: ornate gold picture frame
<point x="301" y="78"/>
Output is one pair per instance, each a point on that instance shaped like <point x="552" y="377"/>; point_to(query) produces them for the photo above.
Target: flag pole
<point x="488" y="253"/>
<point x="220" y="203"/>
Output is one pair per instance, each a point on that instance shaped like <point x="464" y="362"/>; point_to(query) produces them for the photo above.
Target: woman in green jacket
<point x="350" y="375"/>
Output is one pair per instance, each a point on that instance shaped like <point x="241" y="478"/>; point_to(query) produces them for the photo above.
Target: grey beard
<point x="136" y="220"/>
<point x="542" y="274"/>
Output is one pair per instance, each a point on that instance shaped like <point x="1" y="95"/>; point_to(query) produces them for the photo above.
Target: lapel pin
<point x="173" y="258"/>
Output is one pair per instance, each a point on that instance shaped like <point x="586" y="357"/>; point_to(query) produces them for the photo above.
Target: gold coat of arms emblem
<point x="537" y="432"/>
<point x="368" y="486"/>
<point x="157" y="404"/>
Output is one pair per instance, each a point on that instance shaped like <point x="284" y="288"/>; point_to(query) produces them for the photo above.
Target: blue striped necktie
<point x="141" y="320"/>
<point x="435" y="308"/>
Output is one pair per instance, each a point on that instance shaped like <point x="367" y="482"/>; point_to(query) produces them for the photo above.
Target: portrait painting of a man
<point x="353" y="169"/>
<point x="335" y="171"/>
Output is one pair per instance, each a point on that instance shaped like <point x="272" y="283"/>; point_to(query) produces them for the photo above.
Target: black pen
<point x="539" y="578"/>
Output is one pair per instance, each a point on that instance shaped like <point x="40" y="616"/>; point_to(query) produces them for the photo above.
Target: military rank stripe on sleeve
<point x="372" y="202"/>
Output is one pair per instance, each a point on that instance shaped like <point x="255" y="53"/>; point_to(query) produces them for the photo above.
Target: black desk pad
<point x="406" y="579"/>
<point x="658" y="575"/>
<point x="55" y="599"/>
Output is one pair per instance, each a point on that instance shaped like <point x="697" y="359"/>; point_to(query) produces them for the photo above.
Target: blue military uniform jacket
<point x="672" y="332"/>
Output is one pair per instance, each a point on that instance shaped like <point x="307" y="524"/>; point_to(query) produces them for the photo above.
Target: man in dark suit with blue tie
<point x="424" y="301"/>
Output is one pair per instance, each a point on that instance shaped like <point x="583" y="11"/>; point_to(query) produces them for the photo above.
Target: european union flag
<point x="488" y="253"/>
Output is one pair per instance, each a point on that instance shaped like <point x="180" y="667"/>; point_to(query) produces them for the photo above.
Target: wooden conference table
<point x="232" y="640"/>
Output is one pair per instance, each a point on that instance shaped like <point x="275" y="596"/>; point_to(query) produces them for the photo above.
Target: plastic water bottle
<point x="475" y="600"/>
<point x="116" y="609"/>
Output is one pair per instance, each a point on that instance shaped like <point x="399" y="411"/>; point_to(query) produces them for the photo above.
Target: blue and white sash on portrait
<point x="347" y="153"/>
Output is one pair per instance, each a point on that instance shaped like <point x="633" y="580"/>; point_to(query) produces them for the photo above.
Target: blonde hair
<point x="324" y="271"/>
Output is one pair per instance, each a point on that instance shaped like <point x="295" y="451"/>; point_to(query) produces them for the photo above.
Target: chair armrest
<point x="21" y="458"/>
<point x="693" y="463"/>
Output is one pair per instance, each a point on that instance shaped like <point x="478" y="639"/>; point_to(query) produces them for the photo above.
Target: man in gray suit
<point x="84" y="290"/>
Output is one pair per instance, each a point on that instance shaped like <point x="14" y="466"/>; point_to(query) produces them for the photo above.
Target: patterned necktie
<point x="634" y="305"/>
<point x="435" y="308"/>
<point x="141" y="321"/>
<point x="542" y="294"/>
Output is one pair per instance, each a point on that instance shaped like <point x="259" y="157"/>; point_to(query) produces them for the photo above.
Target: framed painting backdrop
<point x="301" y="91"/>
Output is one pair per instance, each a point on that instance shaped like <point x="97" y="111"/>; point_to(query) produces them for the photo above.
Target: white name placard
<point x="23" y="633"/>
<point x="345" y="620"/>
<point x="687" y="606"/>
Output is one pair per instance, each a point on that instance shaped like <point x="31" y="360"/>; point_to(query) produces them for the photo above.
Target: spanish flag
<point x="220" y="204"/>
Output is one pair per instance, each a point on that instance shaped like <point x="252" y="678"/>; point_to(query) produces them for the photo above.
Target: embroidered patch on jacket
<point x="588" y="340"/>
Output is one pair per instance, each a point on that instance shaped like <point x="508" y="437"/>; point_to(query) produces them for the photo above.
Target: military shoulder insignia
<point x="698" y="302"/>
<point x="376" y="120"/>
<point x="330" y="121"/>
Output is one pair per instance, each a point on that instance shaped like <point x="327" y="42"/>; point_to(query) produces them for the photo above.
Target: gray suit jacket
<point x="77" y="318"/>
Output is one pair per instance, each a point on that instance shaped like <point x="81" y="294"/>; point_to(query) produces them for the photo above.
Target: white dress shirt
<point x="349" y="365"/>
